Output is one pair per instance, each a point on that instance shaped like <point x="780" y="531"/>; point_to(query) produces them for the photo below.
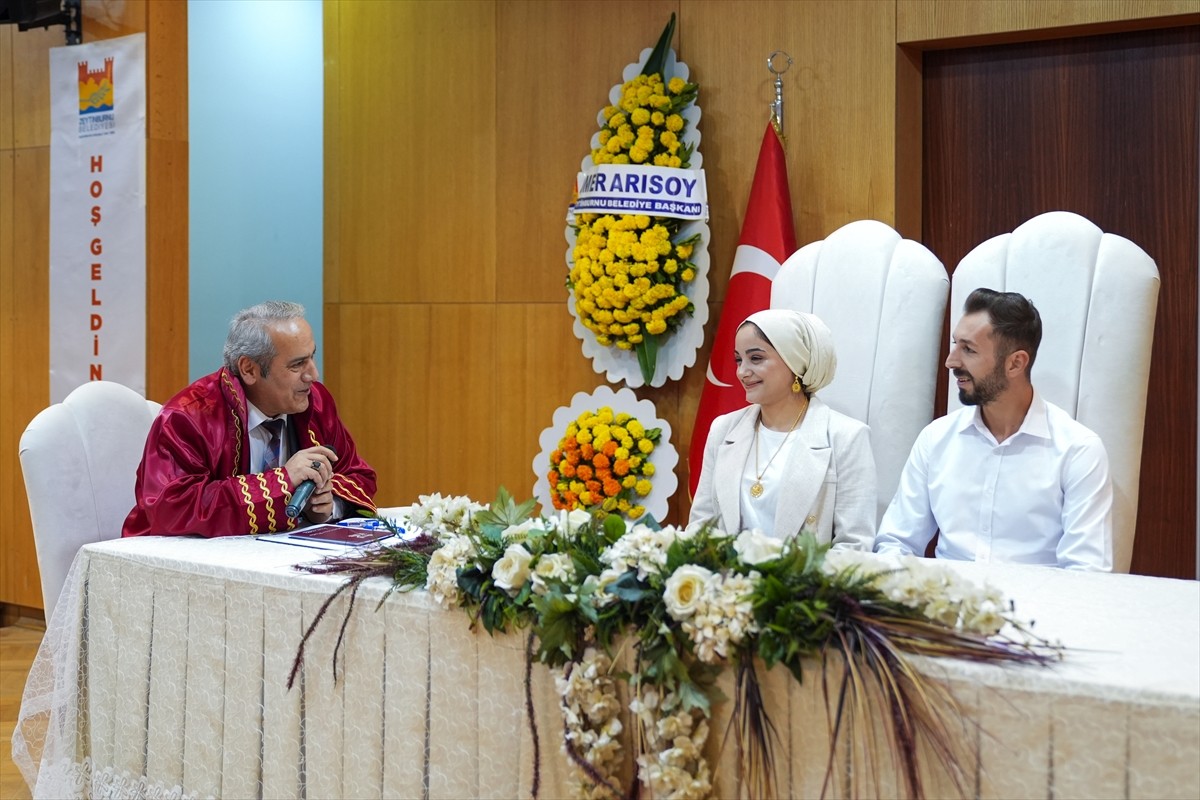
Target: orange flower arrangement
<point x="603" y="463"/>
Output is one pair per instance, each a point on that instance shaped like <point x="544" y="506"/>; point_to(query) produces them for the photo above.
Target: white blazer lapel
<point x="731" y="463"/>
<point x="804" y="471"/>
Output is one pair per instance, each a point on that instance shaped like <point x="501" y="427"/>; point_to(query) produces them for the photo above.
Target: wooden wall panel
<point x="838" y="107"/>
<point x="31" y="94"/>
<point x="165" y="24"/>
<point x="29" y="342"/>
<point x="417" y="152"/>
<point x="919" y="21"/>
<point x="538" y="369"/>
<point x="541" y="151"/>
<point x="12" y="494"/>
<point x="166" y="266"/>
<point x="24" y="239"/>
<point x="6" y="87"/>
<point x="419" y="394"/>
<point x="331" y="176"/>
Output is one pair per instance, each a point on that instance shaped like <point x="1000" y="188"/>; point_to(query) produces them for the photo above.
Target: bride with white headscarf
<point x="788" y="463"/>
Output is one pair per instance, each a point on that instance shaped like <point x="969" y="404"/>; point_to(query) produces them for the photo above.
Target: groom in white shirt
<point x="1009" y="477"/>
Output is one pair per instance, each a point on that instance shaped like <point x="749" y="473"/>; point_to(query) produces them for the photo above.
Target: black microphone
<point x="302" y="493"/>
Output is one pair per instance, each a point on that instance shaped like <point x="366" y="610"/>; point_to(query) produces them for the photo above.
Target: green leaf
<point x="493" y="613"/>
<point x="614" y="527"/>
<point x="504" y="512"/>
<point x="692" y="696"/>
<point x="557" y="628"/>
<point x="630" y="589"/>
<point x="647" y="356"/>
<point x="493" y="535"/>
<point x="658" y="57"/>
<point x="472" y="581"/>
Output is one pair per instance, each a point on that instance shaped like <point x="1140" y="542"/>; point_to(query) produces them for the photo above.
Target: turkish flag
<point x="768" y="238"/>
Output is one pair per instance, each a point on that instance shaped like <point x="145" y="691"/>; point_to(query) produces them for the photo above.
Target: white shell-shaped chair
<point x="80" y="459"/>
<point x="1098" y="296"/>
<point x="884" y="299"/>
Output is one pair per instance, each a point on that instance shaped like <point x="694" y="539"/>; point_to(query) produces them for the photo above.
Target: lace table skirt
<point x="163" y="674"/>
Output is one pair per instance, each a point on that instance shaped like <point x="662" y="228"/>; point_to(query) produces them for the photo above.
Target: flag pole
<point x="777" y="106"/>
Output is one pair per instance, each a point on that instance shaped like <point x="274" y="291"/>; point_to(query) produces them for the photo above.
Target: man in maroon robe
<point x="225" y="455"/>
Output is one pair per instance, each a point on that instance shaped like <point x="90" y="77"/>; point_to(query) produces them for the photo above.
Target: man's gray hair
<point x="250" y="335"/>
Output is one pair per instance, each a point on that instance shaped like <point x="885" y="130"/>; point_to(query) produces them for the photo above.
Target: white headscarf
<point x="803" y="341"/>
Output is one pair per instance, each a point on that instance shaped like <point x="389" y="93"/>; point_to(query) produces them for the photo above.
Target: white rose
<point x="552" y="567"/>
<point x="511" y="571"/>
<point x="684" y="589"/>
<point x="518" y="533"/>
<point x="573" y="520"/>
<point x="755" y="547"/>
<point x="555" y="566"/>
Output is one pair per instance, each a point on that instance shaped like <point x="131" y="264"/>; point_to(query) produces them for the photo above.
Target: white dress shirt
<point x="759" y="512"/>
<point x="260" y="436"/>
<point x="1042" y="496"/>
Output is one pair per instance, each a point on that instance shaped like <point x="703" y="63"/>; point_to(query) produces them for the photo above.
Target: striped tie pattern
<point x="271" y="457"/>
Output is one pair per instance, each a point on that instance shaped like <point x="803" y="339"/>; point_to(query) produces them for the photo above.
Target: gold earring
<point x="796" y="385"/>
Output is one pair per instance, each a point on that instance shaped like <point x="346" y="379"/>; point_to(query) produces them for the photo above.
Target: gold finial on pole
<point x="777" y="106"/>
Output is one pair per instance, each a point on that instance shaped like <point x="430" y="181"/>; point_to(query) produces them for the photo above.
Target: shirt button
<point x="812" y="519"/>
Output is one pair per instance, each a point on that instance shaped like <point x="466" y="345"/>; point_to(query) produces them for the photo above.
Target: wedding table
<point x="163" y="674"/>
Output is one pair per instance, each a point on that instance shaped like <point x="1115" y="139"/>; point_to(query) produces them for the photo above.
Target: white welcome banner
<point x="98" y="214"/>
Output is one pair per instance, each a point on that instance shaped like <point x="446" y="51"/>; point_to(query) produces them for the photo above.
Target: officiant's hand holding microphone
<point x="311" y="472"/>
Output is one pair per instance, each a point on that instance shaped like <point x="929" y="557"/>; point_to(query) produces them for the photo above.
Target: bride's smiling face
<point x="760" y="368"/>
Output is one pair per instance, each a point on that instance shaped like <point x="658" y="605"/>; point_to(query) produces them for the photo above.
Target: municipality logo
<point x="97" y="114"/>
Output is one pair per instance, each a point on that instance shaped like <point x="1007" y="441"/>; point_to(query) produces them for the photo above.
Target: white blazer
<point x="829" y="477"/>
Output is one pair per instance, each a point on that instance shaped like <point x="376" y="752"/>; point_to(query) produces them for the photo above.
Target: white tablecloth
<point x="163" y="672"/>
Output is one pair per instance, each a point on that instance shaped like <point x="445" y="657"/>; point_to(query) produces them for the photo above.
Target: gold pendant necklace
<point x="756" y="488"/>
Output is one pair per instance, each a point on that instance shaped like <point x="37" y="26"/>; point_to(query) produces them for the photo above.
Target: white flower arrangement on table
<point x="690" y="603"/>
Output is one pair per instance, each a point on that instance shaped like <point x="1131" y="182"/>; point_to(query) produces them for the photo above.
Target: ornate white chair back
<point x="884" y="299"/>
<point x="80" y="459"/>
<point x="1097" y="294"/>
